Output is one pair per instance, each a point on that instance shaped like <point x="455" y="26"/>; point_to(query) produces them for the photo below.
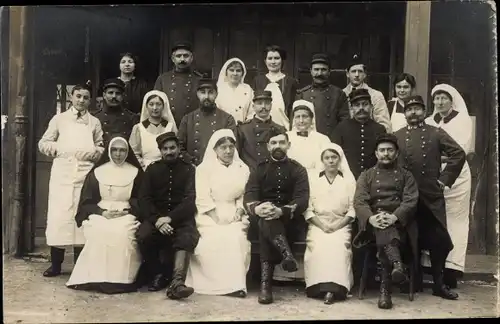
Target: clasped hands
<point x="268" y="211"/>
<point x="382" y="220"/>
<point x="163" y="225"/>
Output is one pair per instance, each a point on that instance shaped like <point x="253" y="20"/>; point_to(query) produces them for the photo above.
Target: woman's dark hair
<point x="87" y="86"/>
<point x="223" y="140"/>
<point x="128" y="54"/>
<point x="443" y="92"/>
<point x="405" y="77"/>
<point x="309" y="111"/>
<point x="331" y="150"/>
<point x="275" y="48"/>
<point x="235" y="63"/>
<point x="155" y="96"/>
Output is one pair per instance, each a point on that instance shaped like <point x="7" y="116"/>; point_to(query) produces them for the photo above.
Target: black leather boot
<point x="439" y="288"/>
<point x="289" y="263"/>
<point x="266" y="288"/>
<point x="393" y="254"/>
<point x="76" y="252"/>
<point x="385" y="300"/>
<point x="450" y="278"/>
<point x="177" y="289"/>
<point x="56" y="259"/>
<point x="159" y="282"/>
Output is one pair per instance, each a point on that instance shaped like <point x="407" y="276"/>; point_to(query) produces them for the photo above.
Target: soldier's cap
<point x="182" y="45"/>
<point x="114" y="82"/>
<point x="320" y="58"/>
<point x="168" y="136"/>
<point x="355" y="60"/>
<point x="387" y="138"/>
<point x="206" y="83"/>
<point x="414" y="100"/>
<point x="262" y="95"/>
<point x="359" y="94"/>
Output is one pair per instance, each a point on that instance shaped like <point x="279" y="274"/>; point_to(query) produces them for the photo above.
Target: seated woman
<point x="327" y="260"/>
<point x="156" y="119"/>
<point x="110" y="259"/>
<point x="234" y="96"/>
<point x="222" y="257"/>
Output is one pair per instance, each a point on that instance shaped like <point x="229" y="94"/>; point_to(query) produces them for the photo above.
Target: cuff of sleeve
<point x="287" y="212"/>
<point x="445" y="179"/>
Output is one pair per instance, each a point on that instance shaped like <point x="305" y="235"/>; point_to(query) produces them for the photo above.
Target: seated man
<point x="167" y="204"/>
<point x="385" y="201"/>
<point x="276" y="196"/>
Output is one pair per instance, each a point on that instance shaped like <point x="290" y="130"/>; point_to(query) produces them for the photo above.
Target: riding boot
<point x="76" y="252"/>
<point x="450" y="278"/>
<point x="266" y="277"/>
<point x="177" y="289"/>
<point x="439" y="288"/>
<point x="288" y="262"/>
<point x="384" y="300"/>
<point x="393" y="254"/>
<point x="56" y="259"/>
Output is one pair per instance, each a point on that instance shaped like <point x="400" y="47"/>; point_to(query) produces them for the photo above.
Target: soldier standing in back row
<point x="180" y="83"/>
<point x="330" y="102"/>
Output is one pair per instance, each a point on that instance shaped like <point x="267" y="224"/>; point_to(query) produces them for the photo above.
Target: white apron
<point x="110" y="253"/>
<point x="66" y="181"/>
<point x="150" y="151"/>
<point x="398" y="120"/>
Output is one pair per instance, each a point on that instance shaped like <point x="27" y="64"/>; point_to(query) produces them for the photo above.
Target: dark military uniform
<point x="197" y="127"/>
<point x="180" y="88"/>
<point x="116" y="120"/>
<point x="167" y="189"/>
<point x="251" y="140"/>
<point x="330" y="106"/>
<point x="358" y="142"/>
<point x="283" y="183"/>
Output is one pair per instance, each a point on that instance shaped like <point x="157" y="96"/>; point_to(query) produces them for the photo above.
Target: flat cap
<point x="320" y="58"/>
<point x="206" y="83"/>
<point x="114" y="82"/>
<point x="263" y="94"/>
<point x="414" y="100"/>
<point x="359" y="94"/>
<point x="168" y="136"/>
<point x="355" y="60"/>
<point x="387" y="138"/>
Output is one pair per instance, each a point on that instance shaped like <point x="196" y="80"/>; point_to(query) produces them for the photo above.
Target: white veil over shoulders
<point x="309" y="105"/>
<point x="210" y="157"/>
<point x="166" y="112"/>
<point x="343" y="165"/>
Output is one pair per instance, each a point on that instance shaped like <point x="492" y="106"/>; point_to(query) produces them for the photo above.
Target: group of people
<point x="171" y="195"/>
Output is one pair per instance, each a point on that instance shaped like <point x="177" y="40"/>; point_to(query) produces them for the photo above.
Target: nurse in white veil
<point x="156" y="119"/>
<point x="327" y="260"/>
<point x="222" y="257"/>
<point x="451" y="114"/>
<point x="234" y="95"/>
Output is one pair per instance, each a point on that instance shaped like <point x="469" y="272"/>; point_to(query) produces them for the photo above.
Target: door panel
<point x="243" y="44"/>
<point x="203" y="47"/>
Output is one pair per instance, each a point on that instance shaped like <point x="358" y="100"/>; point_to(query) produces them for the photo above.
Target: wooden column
<point x="417" y="41"/>
<point x="18" y="34"/>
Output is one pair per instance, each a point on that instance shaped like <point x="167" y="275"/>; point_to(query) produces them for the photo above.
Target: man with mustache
<point x="329" y="101"/>
<point x="356" y="73"/>
<point x="114" y="117"/>
<point x="251" y="135"/>
<point x="168" y="229"/>
<point x="180" y="83"/>
<point x="422" y="148"/>
<point x="197" y="127"/>
<point x="385" y="202"/>
<point x="276" y="196"/>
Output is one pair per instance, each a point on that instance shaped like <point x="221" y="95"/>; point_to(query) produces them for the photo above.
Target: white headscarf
<point x="114" y="174"/>
<point x="210" y="156"/>
<point x="462" y="133"/>
<point x="343" y="166"/>
<point x="227" y="97"/>
<point x="166" y="112"/>
<point x="309" y="105"/>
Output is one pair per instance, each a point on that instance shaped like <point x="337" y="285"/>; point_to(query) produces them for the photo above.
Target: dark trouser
<point x="270" y="229"/>
<point x="387" y="235"/>
<point x="155" y="246"/>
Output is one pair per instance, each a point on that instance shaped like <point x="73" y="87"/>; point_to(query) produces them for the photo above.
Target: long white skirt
<point x="328" y="257"/>
<point x="110" y="253"/>
<point x="221" y="260"/>
<point x="457" y="200"/>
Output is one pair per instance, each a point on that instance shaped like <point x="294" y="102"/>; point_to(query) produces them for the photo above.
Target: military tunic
<point x="116" y="120"/>
<point x="330" y="106"/>
<point x="197" y="127"/>
<point x="180" y="88"/>
<point x="286" y="185"/>
<point x="421" y="148"/>
<point x="358" y="142"/>
<point x="251" y="140"/>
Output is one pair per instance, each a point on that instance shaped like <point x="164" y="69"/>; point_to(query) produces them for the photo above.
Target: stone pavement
<point x="31" y="298"/>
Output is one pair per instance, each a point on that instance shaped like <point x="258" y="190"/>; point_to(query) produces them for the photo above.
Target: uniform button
<point x="378" y="180"/>
<point x="173" y="83"/>
<point x="362" y="154"/>
<point x="327" y="115"/>
<point x="327" y="98"/>
<point x="407" y="139"/>
<point x="258" y="153"/>
<point x="423" y="172"/>
<point x="172" y="90"/>
<point x="196" y="151"/>
<point x="196" y="131"/>
<point x="378" y="190"/>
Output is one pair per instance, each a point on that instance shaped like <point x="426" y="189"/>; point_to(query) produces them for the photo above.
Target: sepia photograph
<point x="250" y="161"/>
